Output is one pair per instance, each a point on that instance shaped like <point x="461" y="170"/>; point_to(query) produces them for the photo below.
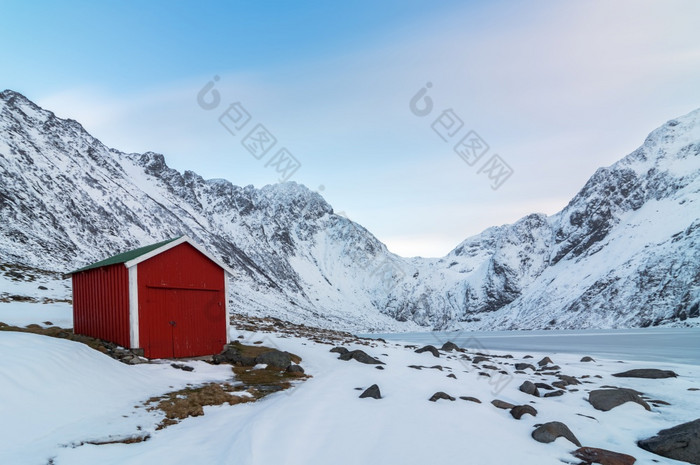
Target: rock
<point x="295" y="369"/>
<point x="554" y="393"/>
<point x="520" y="410"/>
<point x="648" y="373"/>
<point x="43" y="288"/>
<point x="480" y="358"/>
<point x="552" y="430"/>
<point x="502" y="404"/>
<point x="604" y="457"/>
<point x="528" y="388"/>
<point x="449" y="346"/>
<point x="440" y="395"/>
<point x="524" y="366"/>
<point x="607" y="399"/>
<point x="681" y="442"/>
<point x="275" y="358"/>
<point x="527" y="356"/>
<point x="490" y="367"/>
<point x="179" y="366"/>
<point x="452" y="375"/>
<point x="416" y="367"/>
<point x="232" y="355"/>
<point x="372" y="391"/>
<point x="569" y="380"/>
<point x="694" y="389"/>
<point x="588" y="359"/>
<point x="544" y="386"/>
<point x="430" y="349"/>
<point x="360" y="356"/>
<point x="470" y="399"/>
<point x="550" y="368"/>
<point x="545" y="361"/>
<point x="339" y="350"/>
<point x="379" y="367"/>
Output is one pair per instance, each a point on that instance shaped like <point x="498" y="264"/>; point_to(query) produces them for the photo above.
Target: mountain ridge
<point x="68" y="200"/>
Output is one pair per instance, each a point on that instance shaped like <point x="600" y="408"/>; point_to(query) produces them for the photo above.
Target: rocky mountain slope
<point x="624" y="252"/>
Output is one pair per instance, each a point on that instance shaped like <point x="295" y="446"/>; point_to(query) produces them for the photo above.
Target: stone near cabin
<point x="295" y="369"/>
<point x="275" y="358"/>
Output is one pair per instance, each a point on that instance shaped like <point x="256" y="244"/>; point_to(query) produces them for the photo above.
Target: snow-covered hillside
<point x="624" y="252"/>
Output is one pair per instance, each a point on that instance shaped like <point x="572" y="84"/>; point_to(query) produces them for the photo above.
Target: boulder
<point x="520" y="410"/>
<point x="604" y="457"/>
<point x="648" y="373"/>
<point x="554" y="393"/>
<point x="275" y="358"/>
<point x="295" y="369"/>
<point x="681" y="442"/>
<point x="528" y="388"/>
<point x="502" y="404"/>
<point x="232" y="355"/>
<point x="480" y="358"/>
<point x="524" y="366"/>
<point x="449" y="346"/>
<point x="372" y="391"/>
<point x="569" y="380"/>
<point x="608" y="399"/>
<point x="339" y="350"/>
<point x="440" y="395"/>
<point x="470" y="399"/>
<point x="545" y="361"/>
<point x="544" y="386"/>
<point x="360" y="356"/>
<point x="588" y="359"/>
<point x="430" y="349"/>
<point x="552" y="430"/>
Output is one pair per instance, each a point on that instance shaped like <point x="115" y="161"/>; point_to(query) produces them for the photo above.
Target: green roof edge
<point x="125" y="256"/>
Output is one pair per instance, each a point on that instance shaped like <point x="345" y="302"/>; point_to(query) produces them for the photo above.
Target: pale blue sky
<point x="556" y="89"/>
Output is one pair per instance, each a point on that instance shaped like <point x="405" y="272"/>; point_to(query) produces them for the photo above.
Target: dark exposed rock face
<point x="275" y="358"/>
<point x="430" y="349"/>
<point x="360" y="356"/>
<point x="608" y="399"/>
<point x="681" y="442"/>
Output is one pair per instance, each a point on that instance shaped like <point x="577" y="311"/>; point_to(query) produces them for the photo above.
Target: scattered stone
<point x="470" y="399"/>
<point x="648" y="373"/>
<point x="587" y="359"/>
<point x="179" y="366"/>
<point x="560" y="384"/>
<point x="372" y="391"/>
<point x="545" y="361"/>
<point x="43" y="288"/>
<point x="550" y="368"/>
<point x="502" y="404"/>
<point x="552" y="430"/>
<point x="416" y="367"/>
<point x="430" y="349"/>
<point x="480" y="358"/>
<point x="379" y="367"/>
<point x="694" y="389"/>
<point x="482" y="373"/>
<point x="556" y="393"/>
<point x="608" y="399"/>
<point x="241" y="337"/>
<point x="360" y="356"/>
<point x="275" y="358"/>
<point x="520" y="410"/>
<point x="440" y="395"/>
<point x="658" y="402"/>
<point x="591" y="455"/>
<point x="587" y="416"/>
<point x="681" y="442"/>
<point x="232" y="355"/>
<point x="569" y="380"/>
<point x="295" y="369"/>
<point x="47" y="323"/>
<point x="489" y="367"/>
<point x="524" y="366"/>
<point x="436" y="367"/>
<point x="528" y="388"/>
<point x="544" y="386"/>
<point x="339" y="350"/>
<point x="527" y="356"/>
<point x="452" y="375"/>
<point x="449" y="346"/>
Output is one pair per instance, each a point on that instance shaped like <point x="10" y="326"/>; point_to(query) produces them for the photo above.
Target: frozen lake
<point x="675" y="345"/>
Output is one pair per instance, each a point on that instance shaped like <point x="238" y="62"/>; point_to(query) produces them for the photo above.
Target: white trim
<point x="228" y="317"/>
<point x="169" y="246"/>
<point x="134" y="306"/>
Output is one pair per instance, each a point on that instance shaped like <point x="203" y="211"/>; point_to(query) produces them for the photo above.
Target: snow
<point x="58" y="394"/>
<point x="25" y="313"/>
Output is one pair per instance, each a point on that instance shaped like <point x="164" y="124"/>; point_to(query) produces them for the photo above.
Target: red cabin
<point x="168" y="299"/>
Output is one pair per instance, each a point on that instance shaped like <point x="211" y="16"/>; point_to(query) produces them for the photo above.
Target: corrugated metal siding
<point x="182" y="304"/>
<point x="101" y="303"/>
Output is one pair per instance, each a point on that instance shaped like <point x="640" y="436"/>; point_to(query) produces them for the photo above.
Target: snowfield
<point x="57" y="394"/>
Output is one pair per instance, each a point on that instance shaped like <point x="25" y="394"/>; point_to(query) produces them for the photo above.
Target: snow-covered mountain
<point x="624" y="252"/>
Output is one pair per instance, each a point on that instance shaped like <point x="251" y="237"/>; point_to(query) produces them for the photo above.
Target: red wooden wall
<point x="182" y="304"/>
<point x="101" y="303"/>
